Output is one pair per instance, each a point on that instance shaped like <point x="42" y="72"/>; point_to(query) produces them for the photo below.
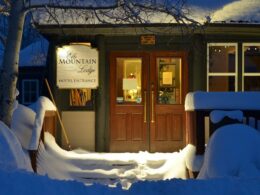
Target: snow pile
<point x="22" y="124"/>
<point x="217" y="115"/>
<point x="231" y="166"/>
<point x="222" y="100"/>
<point x="12" y="155"/>
<point x="232" y="151"/>
<point x="111" y="168"/>
<point x="20" y="182"/>
<point x="27" y="122"/>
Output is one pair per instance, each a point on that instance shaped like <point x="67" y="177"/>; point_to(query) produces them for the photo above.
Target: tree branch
<point x="2" y="39"/>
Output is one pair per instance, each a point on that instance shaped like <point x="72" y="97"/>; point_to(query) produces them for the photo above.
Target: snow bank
<point x="110" y="168"/>
<point x="27" y="122"/>
<point x="232" y="151"/>
<point x="42" y="105"/>
<point x="22" y="124"/>
<point x="12" y="155"/>
<point x="222" y="100"/>
<point x="19" y="182"/>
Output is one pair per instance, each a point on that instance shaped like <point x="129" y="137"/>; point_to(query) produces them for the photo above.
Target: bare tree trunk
<point x="9" y="73"/>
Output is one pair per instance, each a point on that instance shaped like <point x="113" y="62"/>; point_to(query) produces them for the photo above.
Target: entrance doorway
<point x="147" y="91"/>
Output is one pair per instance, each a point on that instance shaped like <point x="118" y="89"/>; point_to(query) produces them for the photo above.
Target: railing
<point x="196" y="127"/>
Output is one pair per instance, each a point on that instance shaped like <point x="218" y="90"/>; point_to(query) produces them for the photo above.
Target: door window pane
<point x="221" y="83"/>
<point x="129" y="80"/>
<point x="169" y="80"/>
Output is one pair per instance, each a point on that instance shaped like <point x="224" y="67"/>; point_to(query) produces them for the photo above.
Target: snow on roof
<point x="222" y="100"/>
<point x="35" y="54"/>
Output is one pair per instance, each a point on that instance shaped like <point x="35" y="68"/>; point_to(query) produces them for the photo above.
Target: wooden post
<point x="58" y="115"/>
<point x="200" y="131"/>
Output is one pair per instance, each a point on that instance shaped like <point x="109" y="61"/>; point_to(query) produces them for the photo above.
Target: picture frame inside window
<point x="80" y="97"/>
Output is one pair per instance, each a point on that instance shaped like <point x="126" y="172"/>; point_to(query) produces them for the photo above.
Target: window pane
<point x="26" y="98"/>
<point x="252" y="59"/>
<point x="26" y="86"/>
<point x="33" y="97"/>
<point x="129" y="83"/>
<point x="29" y="91"/>
<point x="252" y="83"/>
<point x="221" y="83"/>
<point x="222" y="59"/>
<point x="169" y="80"/>
<point x="80" y="97"/>
<point x="33" y="86"/>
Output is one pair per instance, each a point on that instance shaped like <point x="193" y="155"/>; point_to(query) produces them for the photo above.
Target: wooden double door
<point x="147" y="91"/>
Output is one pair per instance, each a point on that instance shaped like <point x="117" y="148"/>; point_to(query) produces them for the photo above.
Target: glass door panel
<point x="129" y="80"/>
<point x="169" y="80"/>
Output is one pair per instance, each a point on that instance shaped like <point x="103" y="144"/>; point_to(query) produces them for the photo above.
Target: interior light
<point x="62" y="51"/>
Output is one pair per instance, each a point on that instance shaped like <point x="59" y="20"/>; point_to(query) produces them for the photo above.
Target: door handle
<point x="145" y="106"/>
<point x="152" y="106"/>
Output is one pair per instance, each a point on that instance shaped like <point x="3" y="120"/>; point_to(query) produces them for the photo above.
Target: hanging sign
<point x="77" y="67"/>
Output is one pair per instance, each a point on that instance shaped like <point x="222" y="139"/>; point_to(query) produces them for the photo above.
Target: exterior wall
<point x="195" y="45"/>
<point x="234" y="38"/>
<point x="106" y="44"/>
<point x="35" y="73"/>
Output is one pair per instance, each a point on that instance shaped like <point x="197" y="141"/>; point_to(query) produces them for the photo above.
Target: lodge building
<point x="126" y="90"/>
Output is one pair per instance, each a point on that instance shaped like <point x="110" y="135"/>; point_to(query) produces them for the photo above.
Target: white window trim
<point x="37" y="88"/>
<point x="235" y="74"/>
<point x="243" y="63"/>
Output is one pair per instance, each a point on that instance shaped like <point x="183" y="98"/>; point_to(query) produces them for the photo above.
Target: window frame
<point x="243" y="63"/>
<point x="23" y="90"/>
<point x="234" y="74"/>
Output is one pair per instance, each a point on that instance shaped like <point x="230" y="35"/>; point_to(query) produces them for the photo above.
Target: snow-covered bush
<point x="233" y="150"/>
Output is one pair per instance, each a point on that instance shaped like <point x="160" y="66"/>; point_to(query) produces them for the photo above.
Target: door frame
<point x="179" y="114"/>
<point x="150" y="57"/>
<point x="120" y="146"/>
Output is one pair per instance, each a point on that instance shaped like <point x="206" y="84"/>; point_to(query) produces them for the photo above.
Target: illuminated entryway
<point x="147" y="93"/>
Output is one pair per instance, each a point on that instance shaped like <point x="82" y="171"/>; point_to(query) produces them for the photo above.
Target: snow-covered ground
<point x="20" y="182"/>
<point x="111" y="168"/>
<point x="231" y="164"/>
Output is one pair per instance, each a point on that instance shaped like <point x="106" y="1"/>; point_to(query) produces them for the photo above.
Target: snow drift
<point x="232" y="151"/>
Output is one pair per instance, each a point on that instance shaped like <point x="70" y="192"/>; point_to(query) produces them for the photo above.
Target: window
<point x="129" y="80"/>
<point x="30" y="90"/>
<point x="169" y="80"/>
<point x="222" y="67"/>
<point x="80" y="97"/>
<point x="251" y="67"/>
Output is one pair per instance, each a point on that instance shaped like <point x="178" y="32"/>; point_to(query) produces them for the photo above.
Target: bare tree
<point x="92" y="11"/>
